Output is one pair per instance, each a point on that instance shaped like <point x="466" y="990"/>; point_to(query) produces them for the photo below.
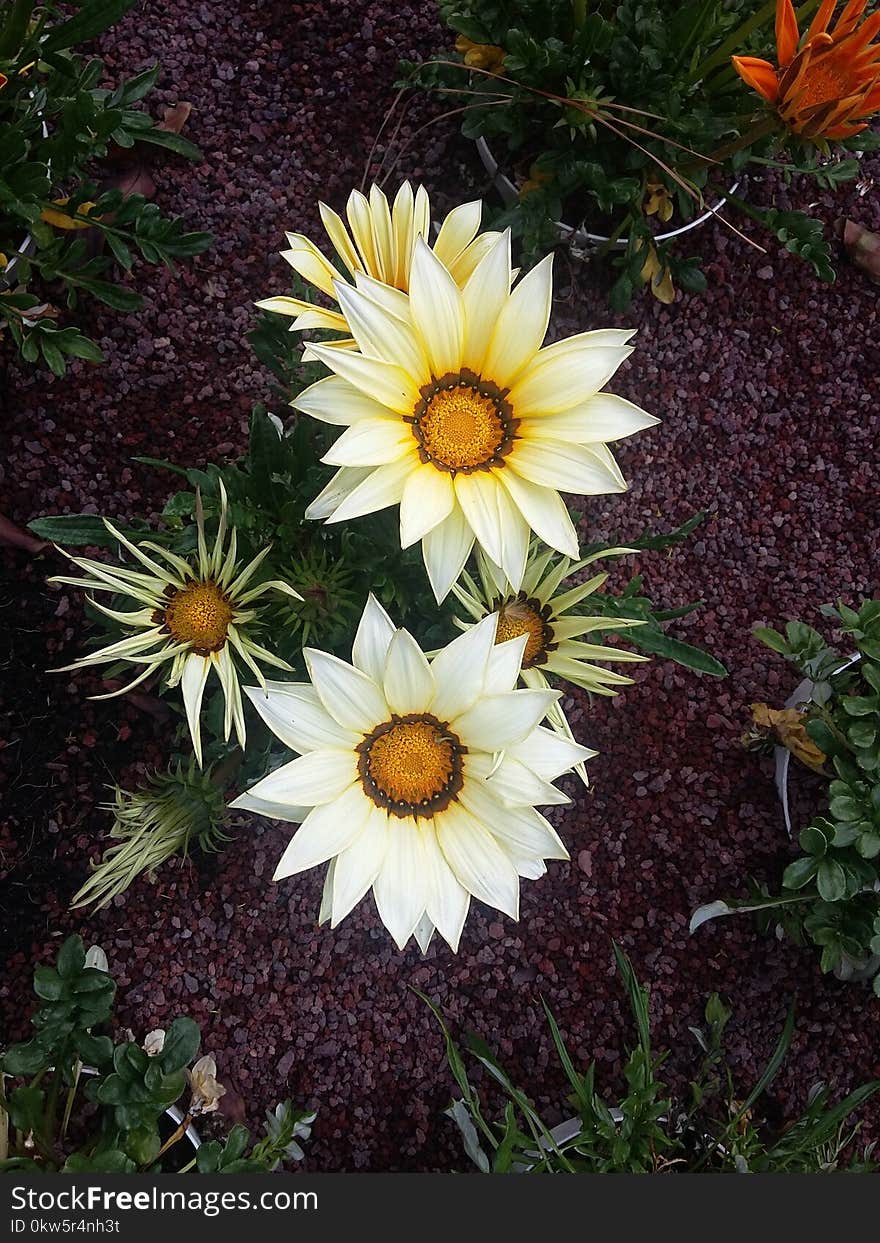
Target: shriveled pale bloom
<point x="377" y="246"/>
<point x="192" y="616"/>
<point x="417" y="779"/>
<point x="555" y="640"/>
<point x="206" y="1091"/>
<point x="154" y="1042"/>
<point x="454" y="411"/>
<point x="95" y="957"/>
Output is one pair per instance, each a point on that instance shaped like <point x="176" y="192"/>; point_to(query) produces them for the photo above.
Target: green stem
<point x="606" y="247"/>
<point x="579" y="12"/>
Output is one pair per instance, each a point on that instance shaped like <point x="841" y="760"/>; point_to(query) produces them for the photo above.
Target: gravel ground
<point x="767" y="391"/>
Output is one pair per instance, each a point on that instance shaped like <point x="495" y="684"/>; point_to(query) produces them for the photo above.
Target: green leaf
<point x="14" y="31"/>
<point x="772" y="639"/>
<point x="28" y="1058"/>
<point x="171" y="142"/>
<point x="108" y="293"/>
<point x="181" y="1044"/>
<point x="76" y="529"/>
<point x="71" y="957"/>
<point x="799" y="873"/>
<point x="659" y="643"/>
<point x="48" y="984"/>
<point x="831" y="880"/>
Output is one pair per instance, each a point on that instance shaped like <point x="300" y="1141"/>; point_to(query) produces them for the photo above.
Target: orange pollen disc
<point x="463" y="423"/>
<point x="411" y="765"/>
<point x="526" y="616"/>
<point x="823" y="82"/>
<point x="199" y="614"/>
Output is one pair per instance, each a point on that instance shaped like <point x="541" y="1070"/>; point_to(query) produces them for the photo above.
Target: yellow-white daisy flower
<point x="192" y="616"/>
<point x="554" y="636"/>
<point x="416" y="778"/>
<point x="378" y="245"/>
<point x="454" y="411"/>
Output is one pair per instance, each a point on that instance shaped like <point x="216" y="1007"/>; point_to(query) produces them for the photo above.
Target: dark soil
<point x="767" y="387"/>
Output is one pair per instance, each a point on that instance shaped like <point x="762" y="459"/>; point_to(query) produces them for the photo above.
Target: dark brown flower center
<point x="524" y="615"/>
<point x="411" y="765"/>
<point x="463" y="423"/>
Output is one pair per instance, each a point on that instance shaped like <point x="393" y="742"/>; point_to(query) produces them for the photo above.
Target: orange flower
<point x="480" y="55"/>
<point x="3" y="80"/>
<point x="831" y="86"/>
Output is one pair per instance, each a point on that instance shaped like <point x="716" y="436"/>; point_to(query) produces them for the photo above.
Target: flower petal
<point x="428" y="499"/>
<point x="604" y="417"/>
<point x="374" y="634"/>
<point x="358" y="865"/>
<point x="351" y="698"/>
<point x="438" y="311"/>
<point x="385" y="382"/>
<point x="477" y="494"/>
<point x="521" y="829"/>
<point x="504" y="665"/>
<point x="372" y="442"/>
<point x="459" y="669"/>
<point x="477" y="861"/>
<point x="325" y="832"/>
<point x="497" y="721"/>
<point x="565" y="467"/>
<point x="445" y="549"/>
<point x="408" y="682"/>
<point x="549" y="754"/>
<point x="313" y="779"/>
<point x="295" y="714"/>
<point x="334" y="400"/>
<point x="380" y="333"/>
<point x="484" y="295"/>
<point x="400" y="889"/>
<point x="457" y="231"/>
<point x="447" y="900"/>
<point x="346" y="479"/>
<point x="382" y="487"/>
<point x="192" y="685"/>
<point x="557" y="381"/>
<point x="544" y="510"/>
<point x="522" y="325"/>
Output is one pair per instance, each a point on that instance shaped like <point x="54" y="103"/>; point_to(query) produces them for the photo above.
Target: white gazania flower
<point x="454" y="411"/>
<point x="554" y="636"/>
<point x="192" y="617"/>
<point x="416" y="778"/>
<point x="378" y="246"/>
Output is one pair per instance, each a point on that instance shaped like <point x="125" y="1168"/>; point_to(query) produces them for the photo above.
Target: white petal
<point x="326" y="908"/>
<point x="325" y="832"/>
<point x="521" y="830"/>
<point x="358" y="865"/>
<point x="400" y="889"/>
<point x="457" y="231"/>
<point x="408" y="682"/>
<point x="383" y="381"/>
<point x="505" y="664"/>
<point x="565" y="467"/>
<point x="558" y="381"/>
<point x="602" y="418"/>
<point x="518" y="785"/>
<point x="459" y="669"/>
<point x="477" y="861"/>
<point x="382" y="487"/>
<point x="445" y="549"/>
<point x="380" y="333"/>
<point x="334" y="400"/>
<point x="544" y="510"/>
<point x="374" y="633"/>
<point x="351" y="698"/>
<point x="372" y="442"/>
<point x="497" y="721"/>
<point x="515" y="535"/>
<point x="346" y="479"/>
<point x="521" y="326"/>
<point x="447" y="900"/>
<point x="548" y="754"/>
<point x="428" y="498"/>
<point x="477" y="494"/>
<point x="192" y="684"/>
<point x="484" y="295"/>
<point x="314" y="778"/>
<point x="295" y="714"/>
<point x="273" y="811"/>
<point x="437" y="310"/>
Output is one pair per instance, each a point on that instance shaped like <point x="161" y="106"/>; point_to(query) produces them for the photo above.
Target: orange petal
<point x="849" y="18"/>
<point x="787" y="33"/>
<point x="821" y="20"/>
<point x="758" y="74"/>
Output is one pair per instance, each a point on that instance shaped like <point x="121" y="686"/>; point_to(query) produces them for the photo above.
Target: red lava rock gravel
<point x="768" y="393"/>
